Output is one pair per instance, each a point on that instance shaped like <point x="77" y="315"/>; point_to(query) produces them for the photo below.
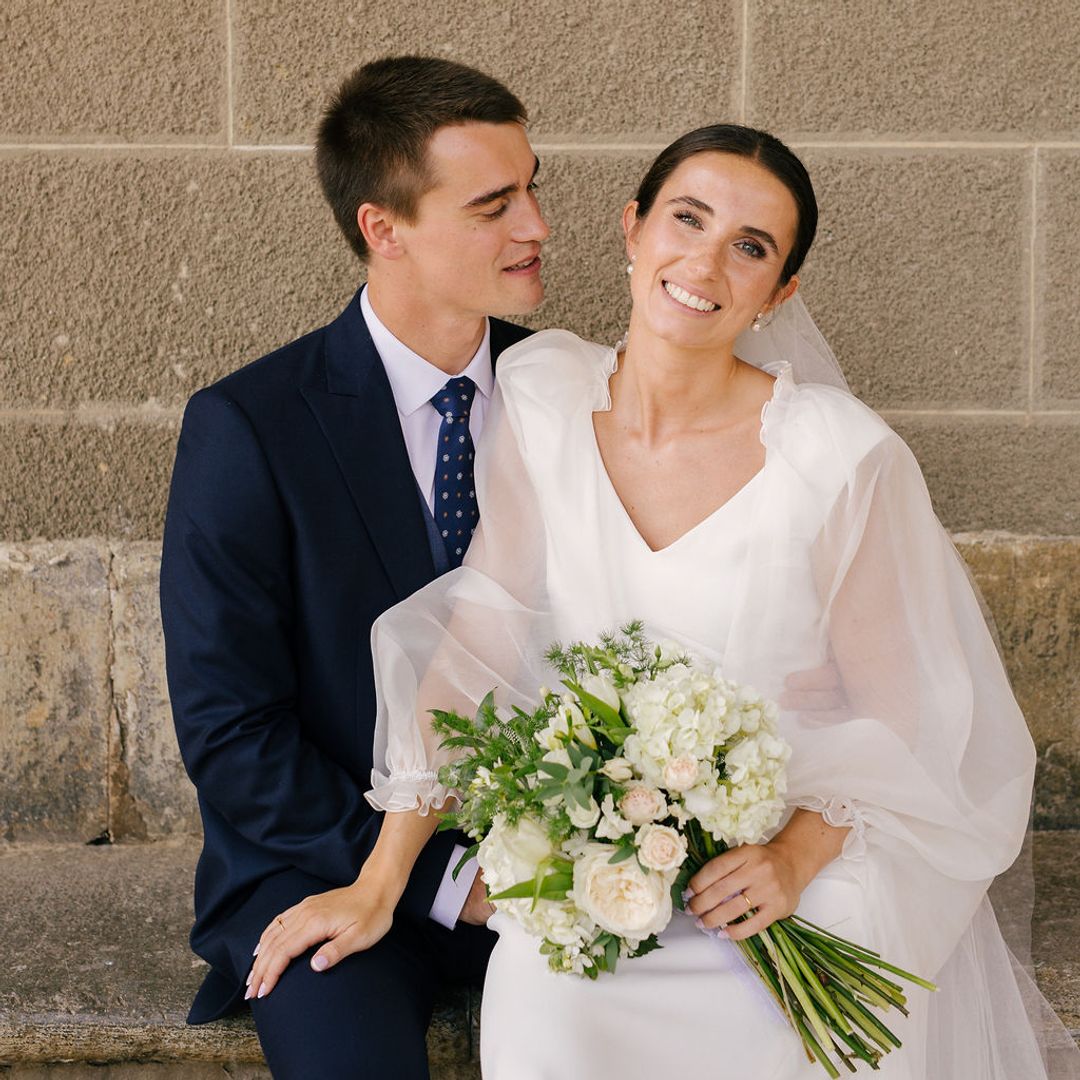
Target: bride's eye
<point x="752" y="248"/>
<point x="688" y="219"/>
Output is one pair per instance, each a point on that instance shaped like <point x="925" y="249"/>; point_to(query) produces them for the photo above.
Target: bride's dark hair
<point x="767" y="150"/>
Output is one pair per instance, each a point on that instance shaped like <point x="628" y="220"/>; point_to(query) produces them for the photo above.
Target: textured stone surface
<point x="98" y="968"/>
<point x="84" y="478"/>
<point x="95" y="947"/>
<point x="877" y="70"/>
<point x="143" y="277"/>
<point x="108" y="69"/>
<point x="579" y="69"/>
<point x="150" y="795"/>
<point x="1056" y="926"/>
<point x="987" y="472"/>
<point x="54" y="690"/>
<point x="1057" y="270"/>
<point x="917" y="276"/>
<point x="582" y="196"/>
<point x="1033" y="590"/>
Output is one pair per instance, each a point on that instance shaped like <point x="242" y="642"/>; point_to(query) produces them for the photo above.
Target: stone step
<point x="86" y="737"/>
<point x="96" y="969"/>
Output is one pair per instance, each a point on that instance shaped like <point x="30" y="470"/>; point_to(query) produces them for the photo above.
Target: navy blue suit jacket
<point x="294" y="521"/>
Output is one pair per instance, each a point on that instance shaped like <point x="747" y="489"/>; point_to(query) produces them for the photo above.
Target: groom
<point x="311" y="492"/>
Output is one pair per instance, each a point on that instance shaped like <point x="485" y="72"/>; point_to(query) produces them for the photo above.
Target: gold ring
<point x="280" y="921"/>
<point x="749" y="905"/>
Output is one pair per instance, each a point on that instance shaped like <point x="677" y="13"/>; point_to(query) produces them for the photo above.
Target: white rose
<point x="583" y="817"/>
<point x="612" y="825"/>
<point x="601" y="686"/>
<point x="641" y="804"/>
<point x="660" y="847"/>
<point x="511" y="854"/>
<point x="618" y="769"/>
<point x="621" y="898"/>
<point x="681" y="774"/>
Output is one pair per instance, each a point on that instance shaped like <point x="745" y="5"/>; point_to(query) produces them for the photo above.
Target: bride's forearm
<point x="402" y="837"/>
<point x="810" y="842"/>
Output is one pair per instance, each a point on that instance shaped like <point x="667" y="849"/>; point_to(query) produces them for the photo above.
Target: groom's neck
<point x="446" y="338"/>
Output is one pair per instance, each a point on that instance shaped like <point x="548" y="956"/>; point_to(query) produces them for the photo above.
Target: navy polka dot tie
<point x="455" y="510"/>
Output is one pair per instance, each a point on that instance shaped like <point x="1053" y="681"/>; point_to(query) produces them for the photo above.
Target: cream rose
<point x="681" y="773"/>
<point x="641" y="804"/>
<point x="661" y="848"/>
<point x="621" y="898"/>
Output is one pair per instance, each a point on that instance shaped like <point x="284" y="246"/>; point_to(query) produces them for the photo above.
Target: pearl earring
<point x="630" y="264"/>
<point x="756" y="324"/>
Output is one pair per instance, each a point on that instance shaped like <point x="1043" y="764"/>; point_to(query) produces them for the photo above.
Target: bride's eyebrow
<point x="766" y="238"/>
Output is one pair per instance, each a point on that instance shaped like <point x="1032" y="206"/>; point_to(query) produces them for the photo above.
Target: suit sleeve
<point x="228" y="616"/>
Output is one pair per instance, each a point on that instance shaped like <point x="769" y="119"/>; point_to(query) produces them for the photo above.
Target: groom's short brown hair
<point x="373" y="139"/>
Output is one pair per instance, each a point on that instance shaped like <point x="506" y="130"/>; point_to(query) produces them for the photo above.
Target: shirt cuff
<point x="451" y="897"/>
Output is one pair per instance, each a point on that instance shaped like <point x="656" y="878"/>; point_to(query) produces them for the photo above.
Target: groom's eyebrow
<point x="498" y="193"/>
<point x="766" y="238"/>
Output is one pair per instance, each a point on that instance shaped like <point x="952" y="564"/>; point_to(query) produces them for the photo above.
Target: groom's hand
<point x="478" y="909"/>
<point x="818" y="694"/>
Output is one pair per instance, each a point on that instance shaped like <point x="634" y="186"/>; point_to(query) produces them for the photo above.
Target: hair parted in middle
<point x="373" y="139"/>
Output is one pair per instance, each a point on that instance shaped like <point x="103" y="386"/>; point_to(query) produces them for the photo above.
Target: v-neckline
<point x="733" y="497"/>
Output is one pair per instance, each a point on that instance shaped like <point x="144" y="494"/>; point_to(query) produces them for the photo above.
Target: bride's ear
<point x="631" y="223"/>
<point x="785" y="292"/>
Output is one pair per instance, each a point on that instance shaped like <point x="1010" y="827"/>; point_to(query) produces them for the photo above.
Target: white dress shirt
<point x="414" y="382"/>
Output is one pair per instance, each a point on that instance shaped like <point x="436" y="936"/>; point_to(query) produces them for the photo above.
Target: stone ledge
<point x="98" y="972"/>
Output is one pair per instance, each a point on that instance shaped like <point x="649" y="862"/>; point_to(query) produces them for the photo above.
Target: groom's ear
<point x="378" y="227"/>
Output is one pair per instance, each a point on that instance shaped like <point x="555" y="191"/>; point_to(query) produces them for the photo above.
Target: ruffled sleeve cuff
<point x="841" y="813"/>
<point x="403" y="791"/>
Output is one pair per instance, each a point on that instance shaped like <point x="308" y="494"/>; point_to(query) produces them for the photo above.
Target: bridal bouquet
<point x="591" y="814"/>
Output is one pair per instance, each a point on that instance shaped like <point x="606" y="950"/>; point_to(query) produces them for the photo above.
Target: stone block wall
<point x="162" y="227"/>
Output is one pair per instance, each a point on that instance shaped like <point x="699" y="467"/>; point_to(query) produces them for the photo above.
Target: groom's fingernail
<point x="320" y="963"/>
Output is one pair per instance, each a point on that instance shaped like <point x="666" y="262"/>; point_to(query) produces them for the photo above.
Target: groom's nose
<point x="530" y="224"/>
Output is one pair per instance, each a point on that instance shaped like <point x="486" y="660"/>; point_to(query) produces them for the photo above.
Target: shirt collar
<point x="414" y="381"/>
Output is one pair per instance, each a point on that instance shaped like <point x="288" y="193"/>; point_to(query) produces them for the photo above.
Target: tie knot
<point x="454" y="400"/>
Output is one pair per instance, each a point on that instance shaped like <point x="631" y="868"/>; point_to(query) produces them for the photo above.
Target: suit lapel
<point x="359" y="419"/>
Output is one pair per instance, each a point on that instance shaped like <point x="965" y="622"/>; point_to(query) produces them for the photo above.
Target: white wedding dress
<point x="831" y="551"/>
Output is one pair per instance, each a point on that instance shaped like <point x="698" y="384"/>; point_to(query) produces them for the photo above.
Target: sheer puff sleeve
<point x="482" y="627"/>
<point x="932" y="765"/>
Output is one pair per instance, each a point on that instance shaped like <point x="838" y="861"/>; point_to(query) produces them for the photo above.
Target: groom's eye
<point x="496" y="213"/>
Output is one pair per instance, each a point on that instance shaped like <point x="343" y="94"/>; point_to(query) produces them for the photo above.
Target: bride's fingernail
<point x="699" y="924"/>
<point x="250" y="994"/>
<point x="687" y="895"/>
<point x="320" y="963"/>
<point x="251" y="975"/>
<point x="262" y="990"/>
<point x="255" y="951"/>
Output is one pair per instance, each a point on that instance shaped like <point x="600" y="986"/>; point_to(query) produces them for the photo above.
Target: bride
<point x="713" y="477"/>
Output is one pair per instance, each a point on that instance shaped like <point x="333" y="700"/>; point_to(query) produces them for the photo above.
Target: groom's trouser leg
<point x="365" y="1017"/>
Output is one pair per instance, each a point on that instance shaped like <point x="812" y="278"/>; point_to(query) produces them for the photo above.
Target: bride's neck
<point x="663" y="389"/>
